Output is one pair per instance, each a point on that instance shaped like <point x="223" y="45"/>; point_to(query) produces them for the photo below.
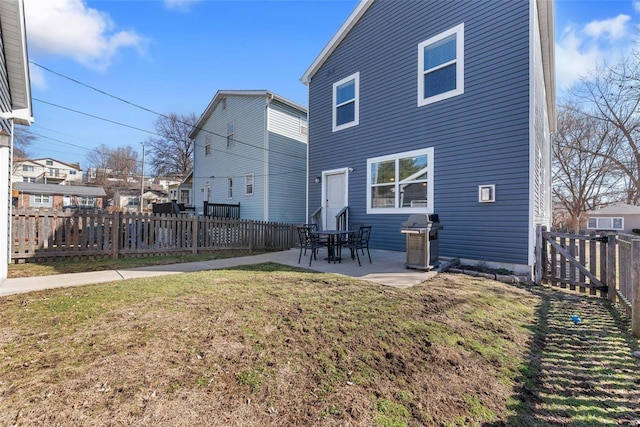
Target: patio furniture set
<point x="312" y="239"/>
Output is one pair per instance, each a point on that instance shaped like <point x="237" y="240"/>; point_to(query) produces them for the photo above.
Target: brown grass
<point x="262" y="348"/>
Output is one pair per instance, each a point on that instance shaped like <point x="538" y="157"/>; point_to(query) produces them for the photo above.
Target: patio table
<point x="334" y="243"/>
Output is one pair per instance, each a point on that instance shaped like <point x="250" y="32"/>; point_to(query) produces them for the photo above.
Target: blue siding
<point x="480" y="137"/>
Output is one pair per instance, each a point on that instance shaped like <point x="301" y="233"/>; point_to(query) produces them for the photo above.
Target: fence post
<point x="194" y="234"/>
<point x="611" y="267"/>
<point x="635" y="290"/>
<point x="251" y="232"/>
<point x="115" y="235"/>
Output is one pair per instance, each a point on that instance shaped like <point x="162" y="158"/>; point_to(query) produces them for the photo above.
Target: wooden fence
<point x="606" y="263"/>
<point x="50" y="235"/>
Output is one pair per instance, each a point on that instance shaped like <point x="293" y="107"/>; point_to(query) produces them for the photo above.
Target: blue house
<point x="251" y="148"/>
<point x="432" y="107"/>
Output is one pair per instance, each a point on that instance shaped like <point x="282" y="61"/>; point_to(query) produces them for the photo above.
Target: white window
<point x="48" y="162"/>
<point x="28" y="179"/>
<point x="185" y="196"/>
<point x="304" y="127"/>
<point x="230" y="187"/>
<point x="441" y="66"/>
<point x="86" y="201"/>
<point x="346" y="102"/>
<point x="27" y="168"/>
<point x="248" y="184"/>
<point x="133" y="201"/>
<point x="401" y="183"/>
<point x="72" y="172"/>
<point x="231" y="129"/>
<point x="606" y="223"/>
<point x="41" y="200"/>
<point x="207" y="145"/>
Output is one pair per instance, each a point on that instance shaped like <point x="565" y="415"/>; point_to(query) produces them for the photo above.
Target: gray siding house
<point x="432" y="107"/>
<point x="620" y="218"/>
<point x="251" y="148"/>
<point x="15" y="108"/>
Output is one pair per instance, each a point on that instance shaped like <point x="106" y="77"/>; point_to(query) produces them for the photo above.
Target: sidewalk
<point x="387" y="269"/>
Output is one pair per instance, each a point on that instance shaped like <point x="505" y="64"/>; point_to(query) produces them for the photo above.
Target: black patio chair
<point x="308" y="239"/>
<point x="359" y="242"/>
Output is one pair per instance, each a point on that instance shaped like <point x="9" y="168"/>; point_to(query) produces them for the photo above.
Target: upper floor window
<point x="401" y="183"/>
<point x="72" y="172"/>
<point x="27" y="168"/>
<point x="248" y="184"/>
<point x="304" y="127"/>
<point x="49" y="162"/>
<point x="207" y="144"/>
<point x="441" y="66"/>
<point x="606" y="223"/>
<point x="346" y="102"/>
<point x="231" y="130"/>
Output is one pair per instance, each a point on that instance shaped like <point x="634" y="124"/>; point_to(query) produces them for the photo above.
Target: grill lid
<point x="416" y="221"/>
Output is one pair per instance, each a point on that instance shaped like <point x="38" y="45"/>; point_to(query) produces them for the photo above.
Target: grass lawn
<point x="269" y="345"/>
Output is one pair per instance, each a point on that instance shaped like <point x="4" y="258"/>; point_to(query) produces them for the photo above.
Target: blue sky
<point x="173" y="55"/>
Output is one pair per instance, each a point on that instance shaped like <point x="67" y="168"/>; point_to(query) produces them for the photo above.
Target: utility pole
<point x="142" y="179"/>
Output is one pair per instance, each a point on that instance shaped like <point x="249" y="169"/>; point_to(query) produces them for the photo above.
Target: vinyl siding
<point x="480" y="137"/>
<point x="246" y="156"/>
<point x="287" y="171"/>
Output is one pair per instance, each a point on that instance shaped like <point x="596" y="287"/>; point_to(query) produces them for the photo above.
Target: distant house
<point x="182" y="192"/>
<point x="437" y="107"/>
<point x="15" y="109"/>
<point x="621" y="218"/>
<point x="47" y="171"/>
<point x="250" y="148"/>
<point x="126" y="199"/>
<point x="53" y="196"/>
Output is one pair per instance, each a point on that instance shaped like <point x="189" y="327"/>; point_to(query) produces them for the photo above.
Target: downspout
<point x="266" y="157"/>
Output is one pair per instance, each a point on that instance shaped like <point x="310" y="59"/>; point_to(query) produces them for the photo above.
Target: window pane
<point x="383" y="196"/>
<point x="413" y="168"/>
<point x="440" y="81"/>
<point x="345" y="113"/>
<point x="413" y="195"/>
<point x="383" y="172"/>
<point x="604" y="223"/>
<point x="617" y="223"/>
<point x="345" y="92"/>
<point x="592" y="223"/>
<point x="440" y="52"/>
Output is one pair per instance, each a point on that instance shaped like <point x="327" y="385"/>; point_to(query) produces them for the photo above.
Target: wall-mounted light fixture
<point x="317" y="180"/>
<point x="350" y="170"/>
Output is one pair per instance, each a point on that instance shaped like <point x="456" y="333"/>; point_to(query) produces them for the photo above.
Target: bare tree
<point x="172" y="151"/>
<point x="22" y="139"/>
<point x="581" y="180"/>
<point x="113" y="166"/>
<point x="613" y="97"/>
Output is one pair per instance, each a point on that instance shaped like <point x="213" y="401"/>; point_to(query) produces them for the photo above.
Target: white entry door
<point x="335" y="191"/>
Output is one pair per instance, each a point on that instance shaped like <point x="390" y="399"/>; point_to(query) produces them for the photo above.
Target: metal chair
<point x="359" y="242"/>
<point x="308" y="239"/>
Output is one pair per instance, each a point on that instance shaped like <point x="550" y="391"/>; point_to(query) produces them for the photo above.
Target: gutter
<point x="270" y="97"/>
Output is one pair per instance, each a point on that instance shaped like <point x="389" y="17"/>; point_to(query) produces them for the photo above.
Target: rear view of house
<point x="432" y="107"/>
<point x="250" y="149"/>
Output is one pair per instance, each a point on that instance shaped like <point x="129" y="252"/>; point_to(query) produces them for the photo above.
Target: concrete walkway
<point x="387" y="269"/>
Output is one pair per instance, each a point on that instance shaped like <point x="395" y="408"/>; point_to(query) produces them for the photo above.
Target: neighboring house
<point x="182" y="192"/>
<point x="152" y="196"/>
<point x="421" y="107"/>
<point x="621" y="218"/>
<point x="47" y="171"/>
<point x="127" y="199"/>
<point x="53" y="196"/>
<point x="250" y="148"/>
<point x="15" y="108"/>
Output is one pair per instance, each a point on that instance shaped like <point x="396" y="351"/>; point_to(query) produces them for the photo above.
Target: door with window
<point x="335" y="197"/>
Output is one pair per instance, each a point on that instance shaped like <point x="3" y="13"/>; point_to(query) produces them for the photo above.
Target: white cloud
<point x="70" y="28"/>
<point x="179" y="4"/>
<point x="580" y="49"/>
<point x="636" y="5"/>
<point x="614" y="28"/>
<point x="36" y="77"/>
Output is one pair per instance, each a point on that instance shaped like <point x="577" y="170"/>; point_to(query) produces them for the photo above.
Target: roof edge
<point x="342" y="32"/>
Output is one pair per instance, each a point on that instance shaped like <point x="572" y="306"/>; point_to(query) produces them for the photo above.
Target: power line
<point x="150" y="111"/>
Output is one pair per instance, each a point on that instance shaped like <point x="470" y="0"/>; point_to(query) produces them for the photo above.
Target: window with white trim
<point x="27" y="168"/>
<point x="604" y="223"/>
<point x="304" y="127"/>
<point x="346" y="102"/>
<point x="185" y="196"/>
<point x="87" y="201"/>
<point x="248" y="184"/>
<point x="41" y="200"/>
<point x="230" y="187"/>
<point x="401" y="183"/>
<point x="441" y="66"/>
<point x="48" y="162"/>
<point x="231" y="130"/>
<point x="207" y="144"/>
